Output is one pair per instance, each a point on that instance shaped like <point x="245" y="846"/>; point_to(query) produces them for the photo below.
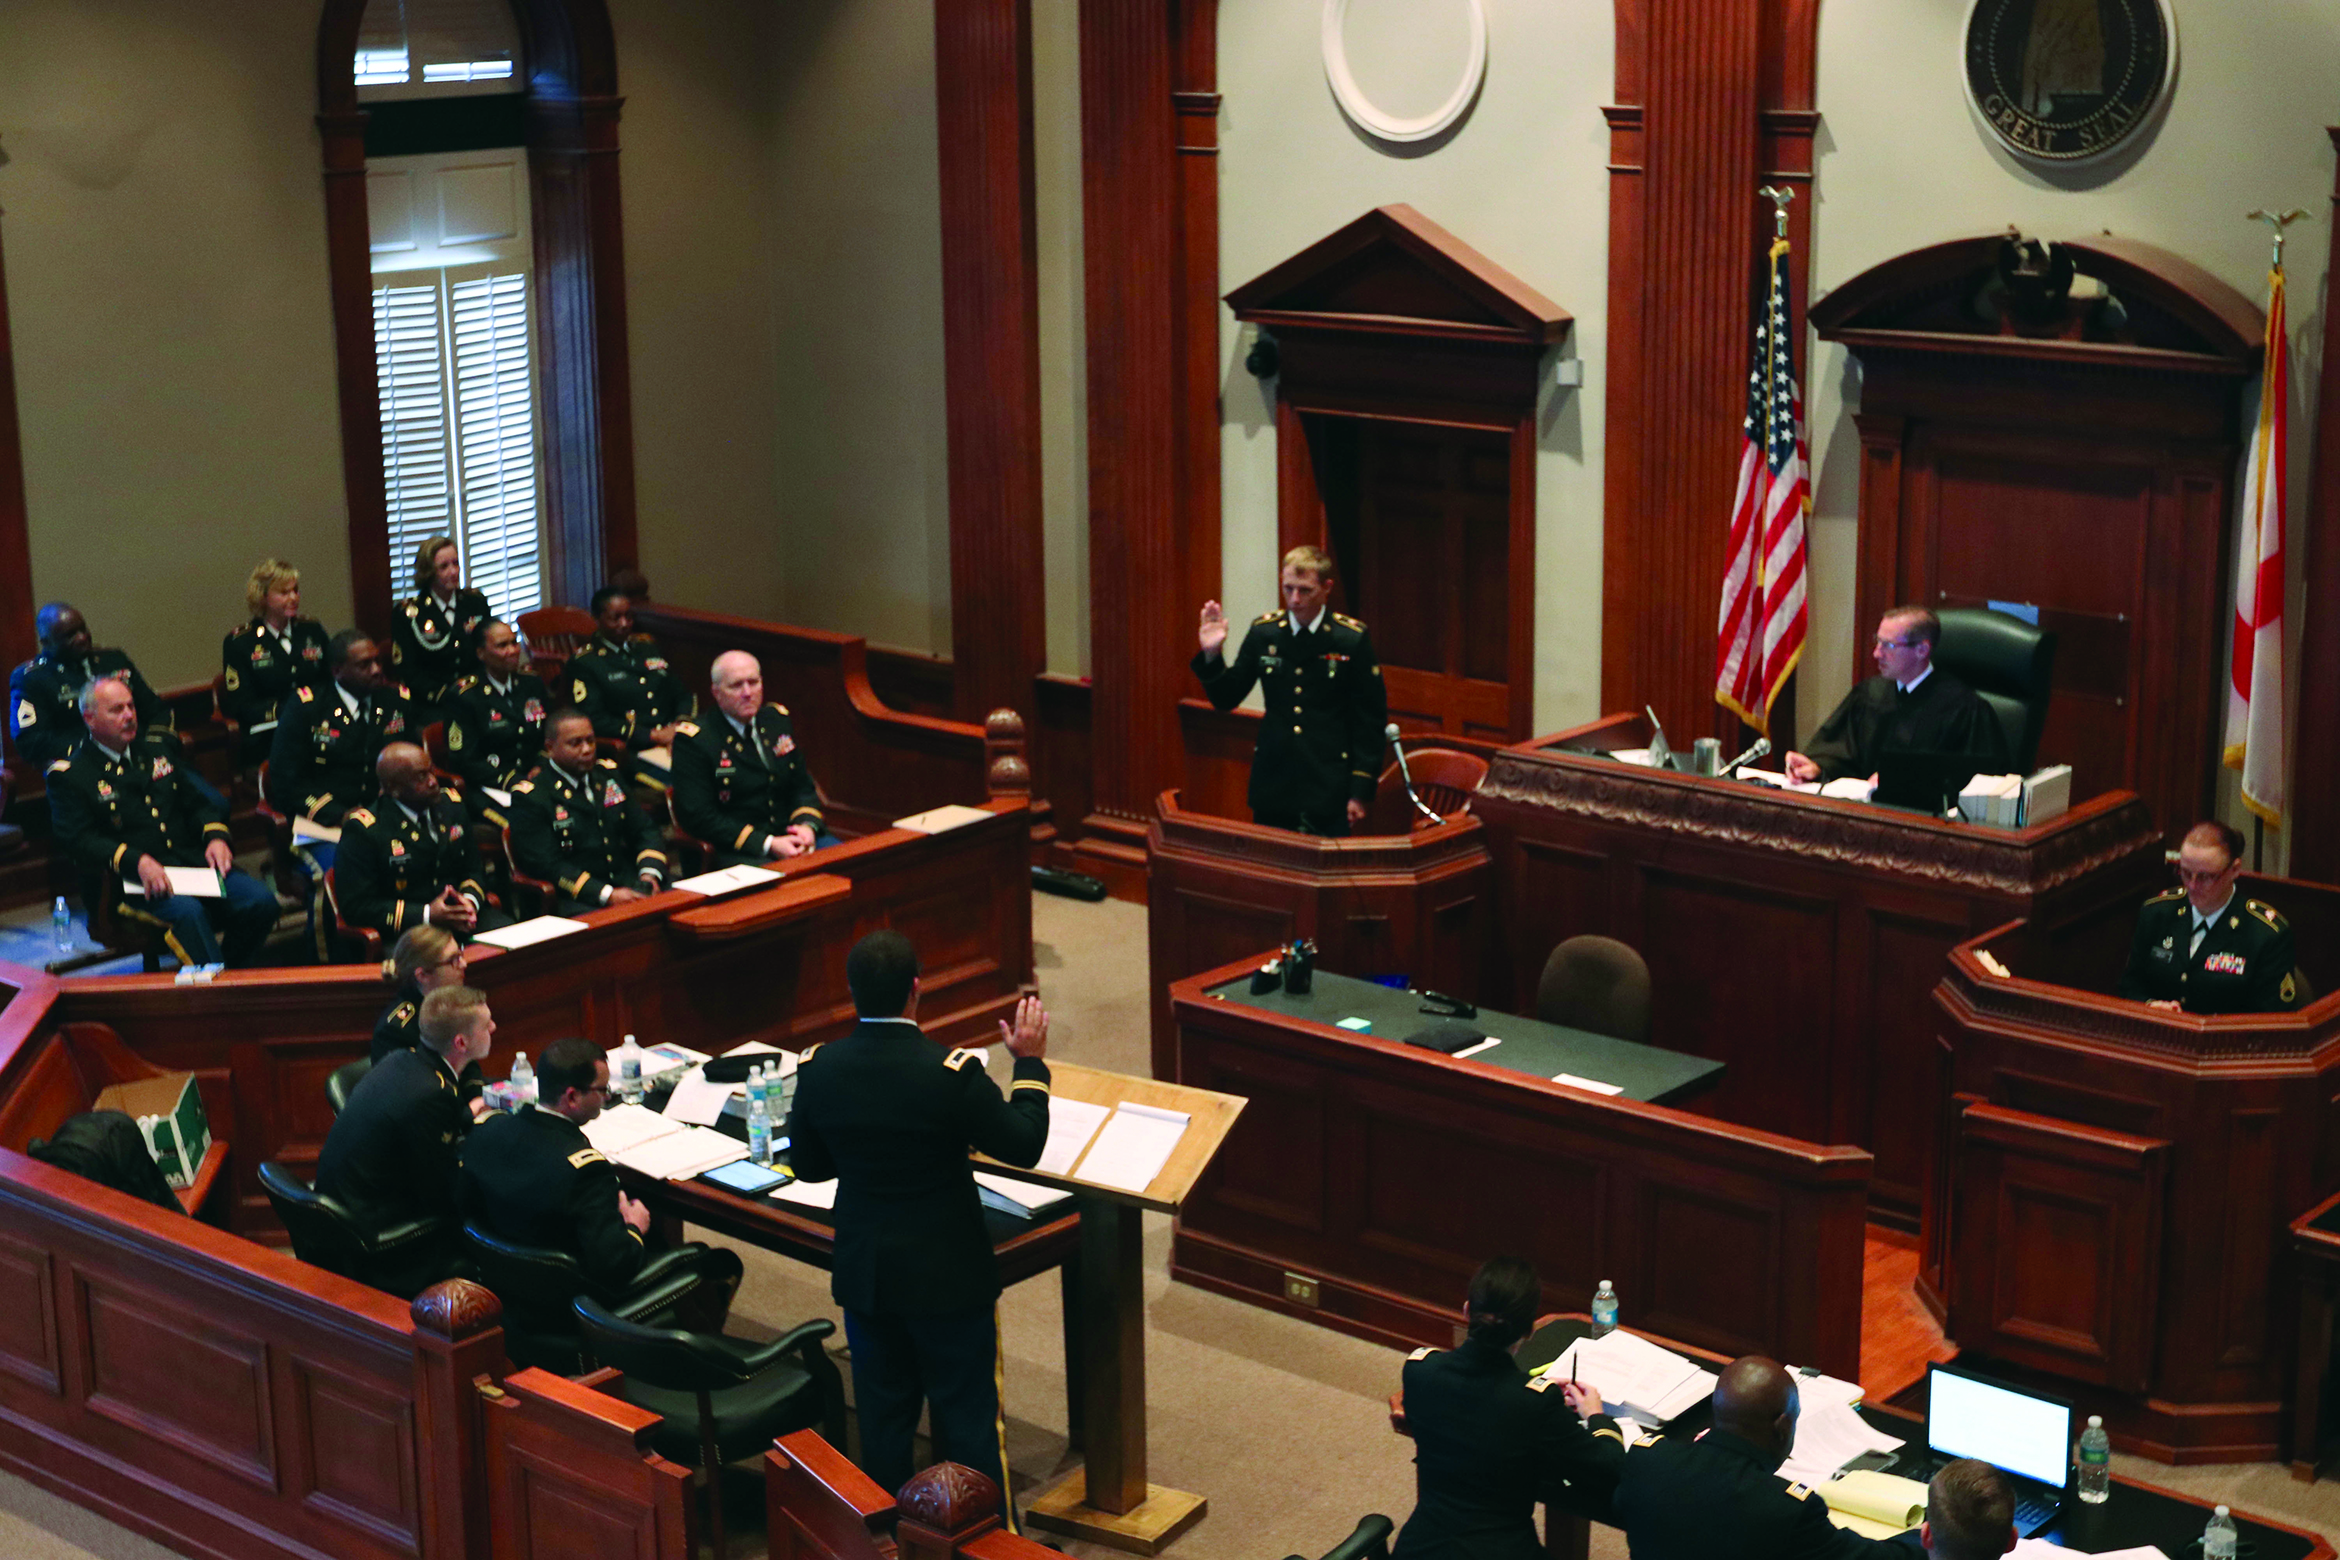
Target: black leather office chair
<point x="1369" y="1542"/>
<point x="721" y="1399"/>
<point x="403" y="1260"/>
<point x="2008" y="662"/>
<point x="1596" y="983"/>
<point x="344" y="1081"/>
<point x="538" y="1287"/>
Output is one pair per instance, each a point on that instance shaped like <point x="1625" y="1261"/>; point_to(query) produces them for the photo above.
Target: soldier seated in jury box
<point x="44" y="694"/>
<point x="2205" y="948"/>
<point x="409" y="860"/>
<point x="495" y="724"/>
<point x="577" y="827"/>
<point x="739" y="782"/>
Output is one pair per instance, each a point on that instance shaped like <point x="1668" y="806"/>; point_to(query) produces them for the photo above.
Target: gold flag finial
<point x="1779" y="195"/>
<point x="2278" y="223"/>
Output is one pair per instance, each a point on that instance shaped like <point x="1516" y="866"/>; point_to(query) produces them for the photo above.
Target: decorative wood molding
<point x="17" y="640"/>
<point x="2315" y="804"/>
<point x="991" y="351"/>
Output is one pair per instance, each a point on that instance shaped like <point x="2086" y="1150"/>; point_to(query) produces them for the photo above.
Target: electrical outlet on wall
<point x="1300" y="1289"/>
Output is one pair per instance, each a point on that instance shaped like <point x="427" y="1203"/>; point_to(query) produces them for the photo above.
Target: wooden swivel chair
<point x="553" y="635"/>
<point x="1445" y="778"/>
<point x="1597" y="984"/>
<point x="2010" y="663"/>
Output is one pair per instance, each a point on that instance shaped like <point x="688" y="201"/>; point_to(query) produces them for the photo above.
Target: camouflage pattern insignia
<point x="959" y="1059"/>
<point x="586" y="1156"/>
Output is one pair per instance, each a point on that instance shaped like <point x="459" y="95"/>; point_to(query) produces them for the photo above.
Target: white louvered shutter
<point x="495" y="421"/>
<point x="410" y="363"/>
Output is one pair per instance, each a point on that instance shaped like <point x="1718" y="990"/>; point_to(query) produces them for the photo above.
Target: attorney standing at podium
<point x="1319" y="751"/>
<point x="1910" y="706"/>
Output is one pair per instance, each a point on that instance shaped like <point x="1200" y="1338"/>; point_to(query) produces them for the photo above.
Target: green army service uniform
<point x="737" y="789"/>
<point x="44" y="702"/>
<point x="585" y="835"/>
<point x="258" y="670"/>
<point x="2245" y="962"/>
<point x="322" y="761"/>
<point x="394" y="862"/>
<point x="494" y="737"/>
<point x="432" y="641"/>
<point x="1320" y="743"/>
<point x="1490" y="1441"/>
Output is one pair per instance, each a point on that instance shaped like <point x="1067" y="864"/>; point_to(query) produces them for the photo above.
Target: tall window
<point x="436" y="48"/>
<point x="452" y="344"/>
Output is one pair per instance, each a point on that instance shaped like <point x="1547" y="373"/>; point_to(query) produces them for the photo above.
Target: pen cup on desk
<point x="1706" y="756"/>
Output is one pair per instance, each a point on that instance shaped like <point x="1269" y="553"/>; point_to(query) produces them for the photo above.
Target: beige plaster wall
<point x="1523" y="179"/>
<point x="167" y="294"/>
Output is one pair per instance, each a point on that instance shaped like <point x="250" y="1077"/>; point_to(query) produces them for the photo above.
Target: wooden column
<point x="1150" y="239"/>
<point x="1712" y="97"/>
<point x="458" y="1339"/>
<point x="2315" y="820"/>
<point x="16" y="593"/>
<point x="991" y="352"/>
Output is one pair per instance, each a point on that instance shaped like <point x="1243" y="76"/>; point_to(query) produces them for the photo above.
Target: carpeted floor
<point x="1281" y="1424"/>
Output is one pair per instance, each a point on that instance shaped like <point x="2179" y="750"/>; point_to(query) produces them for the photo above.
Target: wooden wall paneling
<point x="17" y="641"/>
<point x="991" y="351"/>
<point x="569" y="1472"/>
<point x="2315" y="821"/>
<point x="1194" y="95"/>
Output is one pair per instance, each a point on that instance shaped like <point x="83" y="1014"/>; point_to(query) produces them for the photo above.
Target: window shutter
<point x="495" y="423"/>
<point x="411" y="366"/>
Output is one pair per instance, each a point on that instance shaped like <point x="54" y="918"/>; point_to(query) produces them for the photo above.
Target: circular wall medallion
<point x="2069" y="81"/>
<point x="1389" y="127"/>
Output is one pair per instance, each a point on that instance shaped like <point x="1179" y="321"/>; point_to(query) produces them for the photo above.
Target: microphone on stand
<point x="1761" y="746"/>
<point x="1407" y="775"/>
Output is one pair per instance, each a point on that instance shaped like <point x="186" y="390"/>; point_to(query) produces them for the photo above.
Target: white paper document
<point x="936" y="819"/>
<point x="728" y="881"/>
<point x="2041" y="1549"/>
<point x="522" y="934"/>
<point x="809" y="1194"/>
<point x="1487" y="1044"/>
<point x="501" y="798"/>
<point x="1850" y="789"/>
<point x="1133" y="1146"/>
<point x="681" y="1154"/>
<point x="1071" y="1123"/>
<point x="194" y="882"/>
<point x="1828" y="1436"/>
<point x="1634" y="1376"/>
<point x="624" y="1126"/>
<point x="308" y="831"/>
<point x="1024" y="1198"/>
<point x="1593" y="1085"/>
<point x="697" y="1102"/>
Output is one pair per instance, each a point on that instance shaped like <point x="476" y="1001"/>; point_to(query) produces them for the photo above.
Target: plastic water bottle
<point x="759" y="1088"/>
<point x="629" y="1072"/>
<point x="2093" y="1463"/>
<point x="1604" y="1310"/>
<point x="523" y="1081"/>
<point x="61" y="925"/>
<point x="759" y="1130"/>
<point x="2219" y="1538"/>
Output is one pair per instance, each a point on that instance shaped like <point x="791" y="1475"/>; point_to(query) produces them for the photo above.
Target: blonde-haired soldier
<point x="264" y="660"/>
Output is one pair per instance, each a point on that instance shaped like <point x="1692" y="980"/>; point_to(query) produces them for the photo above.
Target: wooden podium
<point x="1110" y="1500"/>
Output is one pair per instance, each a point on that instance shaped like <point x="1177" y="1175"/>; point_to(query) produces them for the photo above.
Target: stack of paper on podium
<point x="1133" y="1146"/>
<point x="1016" y="1199"/>
<point x="658" y="1146"/>
<point x="1634" y="1376"/>
<point x="1071" y="1123"/>
<point x="1828" y="1436"/>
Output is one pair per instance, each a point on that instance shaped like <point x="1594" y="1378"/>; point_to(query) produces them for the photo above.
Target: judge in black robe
<point x="1910" y="706"/>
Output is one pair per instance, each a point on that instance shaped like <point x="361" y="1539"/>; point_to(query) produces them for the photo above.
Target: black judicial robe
<point x="1939" y="715"/>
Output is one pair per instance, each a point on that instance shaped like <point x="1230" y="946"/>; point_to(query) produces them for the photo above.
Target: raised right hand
<point x="1212" y="635"/>
<point x="1028" y="1036"/>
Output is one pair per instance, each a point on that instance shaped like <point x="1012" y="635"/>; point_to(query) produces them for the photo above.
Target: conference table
<point x="2135" y="1515"/>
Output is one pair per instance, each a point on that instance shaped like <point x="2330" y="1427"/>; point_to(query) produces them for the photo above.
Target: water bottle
<point x="523" y="1081"/>
<point x="61" y="926"/>
<point x="629" y="1079"/>
<point x="2219" y="1538"/>
<point x="1604" y="1310"/>
<point x="2094" y="1463"/>
<point x="759" y="1131"/>
<point x="759" y="1088"/>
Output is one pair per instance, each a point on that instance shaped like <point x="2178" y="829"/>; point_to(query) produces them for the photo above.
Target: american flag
<point x="1760" y="633"/>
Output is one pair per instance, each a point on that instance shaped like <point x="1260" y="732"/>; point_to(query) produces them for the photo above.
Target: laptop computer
<point x="2024" y="1434"/>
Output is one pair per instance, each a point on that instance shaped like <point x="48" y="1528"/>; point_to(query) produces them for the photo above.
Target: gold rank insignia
<point x="454" y="739"/>
<point x="1420" y="1354"/>
<point x="686" y="728"/>
<point x="1799" y="1491"/>
<point x="586" y="1156"/>
<point x="959" y="1060"/>
<point x="1539" y="1384"/>
<point x="2290" y="991"/>
<point x="233" y="681"/>
<point x="305" y="693"/>
<point x="26" y="715"/>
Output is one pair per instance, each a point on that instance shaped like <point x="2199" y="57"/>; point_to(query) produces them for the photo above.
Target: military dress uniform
<point x="889" y="1115"/>
<point x="392" y="1154"/>
<point x="2245" y="962"/>
<point x="738" y="789"/>
<point x="107" y="812"/>
<point x="392" y="863"/>
<point x="258" y="670"/>
<point x="1320" y="743"/>
<point x="398" y="1027"/>
<point x="494" y="736"/>
<point x="532" y="1178"/>
<point x="1720" y="1498"/>
<point x="629" y="691"/>
<point x="1489" y="1442"/>
<point x="431" y="642"/>
<point x="322" y="761"/>
<point x="585" y="836"/>
<point x="44" y="701"/>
